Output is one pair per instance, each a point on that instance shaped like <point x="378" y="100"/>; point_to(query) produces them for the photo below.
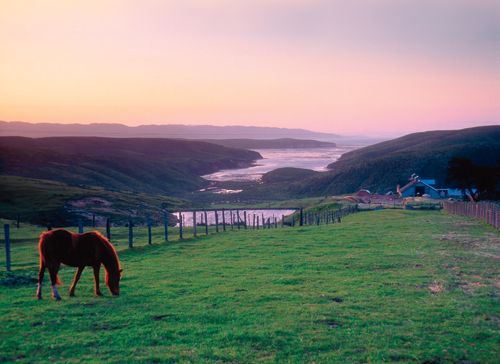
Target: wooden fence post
<point x="231" y="219"/>
<point x="130" y="234"/>
<point x="165" y="225"/>
<point x="80" y="227"/>
<point x="6" y="228"/>
<point x="18" y="220"/>
<point x="257" y="222"/>
<point x="108" y="229"/>
<point x="216" y="221"/>
<point x="224" y="219"/>
<point x="194" y="224"/>
<point x="206" y="221"/>
<point x="180" y="226"/>
<point x="150" y="237"/>
<point x="301" y="223"/>
<point x="93" y="220"/>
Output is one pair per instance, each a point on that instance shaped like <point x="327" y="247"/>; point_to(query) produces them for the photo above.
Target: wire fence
<point x="19" y="239"/>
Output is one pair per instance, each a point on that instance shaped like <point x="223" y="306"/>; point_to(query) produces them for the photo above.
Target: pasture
<point x="382" y="286"/>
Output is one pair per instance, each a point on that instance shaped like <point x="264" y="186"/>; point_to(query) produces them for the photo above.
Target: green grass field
<point x="382" y="286"/>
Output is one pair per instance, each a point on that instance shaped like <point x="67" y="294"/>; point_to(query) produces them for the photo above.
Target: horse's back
<point x="53" y="239"/>
<point x="69" y="248"/>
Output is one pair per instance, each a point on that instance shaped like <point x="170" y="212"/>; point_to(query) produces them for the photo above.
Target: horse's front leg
<point x="96" y="280"/>
<point x="75" y="281"/>
<point x="41" y="272"/>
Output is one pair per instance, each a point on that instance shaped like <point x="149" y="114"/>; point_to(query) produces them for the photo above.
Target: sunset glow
<point x="385" y="66"/>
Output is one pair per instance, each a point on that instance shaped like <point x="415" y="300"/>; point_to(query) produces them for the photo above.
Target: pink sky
<point x="358" y="66"/>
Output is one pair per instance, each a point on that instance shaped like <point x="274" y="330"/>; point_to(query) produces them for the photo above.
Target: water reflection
<point x="233" y="216"/>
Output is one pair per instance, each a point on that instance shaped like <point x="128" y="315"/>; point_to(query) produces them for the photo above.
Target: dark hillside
<point x="472" y="142"/>
<point x="382" y="166"/>
<point x="288" y="174"/>
<point x="44" y="202"/>
<point x="165" y="166"/>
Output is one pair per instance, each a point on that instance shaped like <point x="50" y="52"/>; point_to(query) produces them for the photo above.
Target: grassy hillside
<point x="384" y="286"/>
<point x="50" y="202"/>
<point x="382" y="166"/>
<point x="166" y="166"/>
<point x="288" y="174"/>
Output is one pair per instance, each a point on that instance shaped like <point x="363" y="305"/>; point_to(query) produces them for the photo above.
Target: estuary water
<point x="231" y="217"/>
<point x="316" y="159"/>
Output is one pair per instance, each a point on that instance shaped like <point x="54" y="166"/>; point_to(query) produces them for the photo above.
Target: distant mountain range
<point x="38" y="130"/>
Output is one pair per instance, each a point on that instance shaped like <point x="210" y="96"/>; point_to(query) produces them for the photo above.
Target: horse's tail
<point x="41" y="252"/>
<point x="40" y="248"/>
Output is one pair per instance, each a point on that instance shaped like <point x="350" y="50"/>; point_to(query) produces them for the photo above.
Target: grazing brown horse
<point x="77" y="250"/>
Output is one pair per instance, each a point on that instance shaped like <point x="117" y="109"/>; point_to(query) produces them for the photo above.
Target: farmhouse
<point x="420" y="187"/>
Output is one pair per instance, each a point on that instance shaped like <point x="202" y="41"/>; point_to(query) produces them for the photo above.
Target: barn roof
<point x="416" y="181"/>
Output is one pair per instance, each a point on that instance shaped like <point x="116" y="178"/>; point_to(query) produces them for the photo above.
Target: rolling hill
<point x="62" y="179"/>
<point x="166" y="166"/>
<point x="380" y="167"/>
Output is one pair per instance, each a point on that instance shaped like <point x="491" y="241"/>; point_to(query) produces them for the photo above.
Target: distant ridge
<point x="39" y="130"/>
<point x="282" y="143"/>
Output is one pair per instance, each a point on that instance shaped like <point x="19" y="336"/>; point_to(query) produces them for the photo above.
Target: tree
<point x="467" y="176"/>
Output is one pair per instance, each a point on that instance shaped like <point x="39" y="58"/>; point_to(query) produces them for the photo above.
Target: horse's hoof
<point x="71" y="294"/>
<point x="38" y="297"/>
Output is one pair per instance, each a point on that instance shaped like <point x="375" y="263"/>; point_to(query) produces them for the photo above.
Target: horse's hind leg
<point x="53" y="269"/>
<point x="41" y="273"/>
<point x="96" y="280"/>
<point x="75" y="280"/>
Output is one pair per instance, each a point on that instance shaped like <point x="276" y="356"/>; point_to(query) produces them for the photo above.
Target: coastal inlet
<point x="316" y="159"/>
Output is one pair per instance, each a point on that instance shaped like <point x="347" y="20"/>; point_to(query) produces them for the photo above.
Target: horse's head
<point x="113" y="281"/>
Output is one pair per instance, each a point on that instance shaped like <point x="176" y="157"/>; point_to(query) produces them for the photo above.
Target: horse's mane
<point x="109" y="247"/>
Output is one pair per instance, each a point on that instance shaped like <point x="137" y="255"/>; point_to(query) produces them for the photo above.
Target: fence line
<point x="237" y="220"/>
<point x="488" y="212"/>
